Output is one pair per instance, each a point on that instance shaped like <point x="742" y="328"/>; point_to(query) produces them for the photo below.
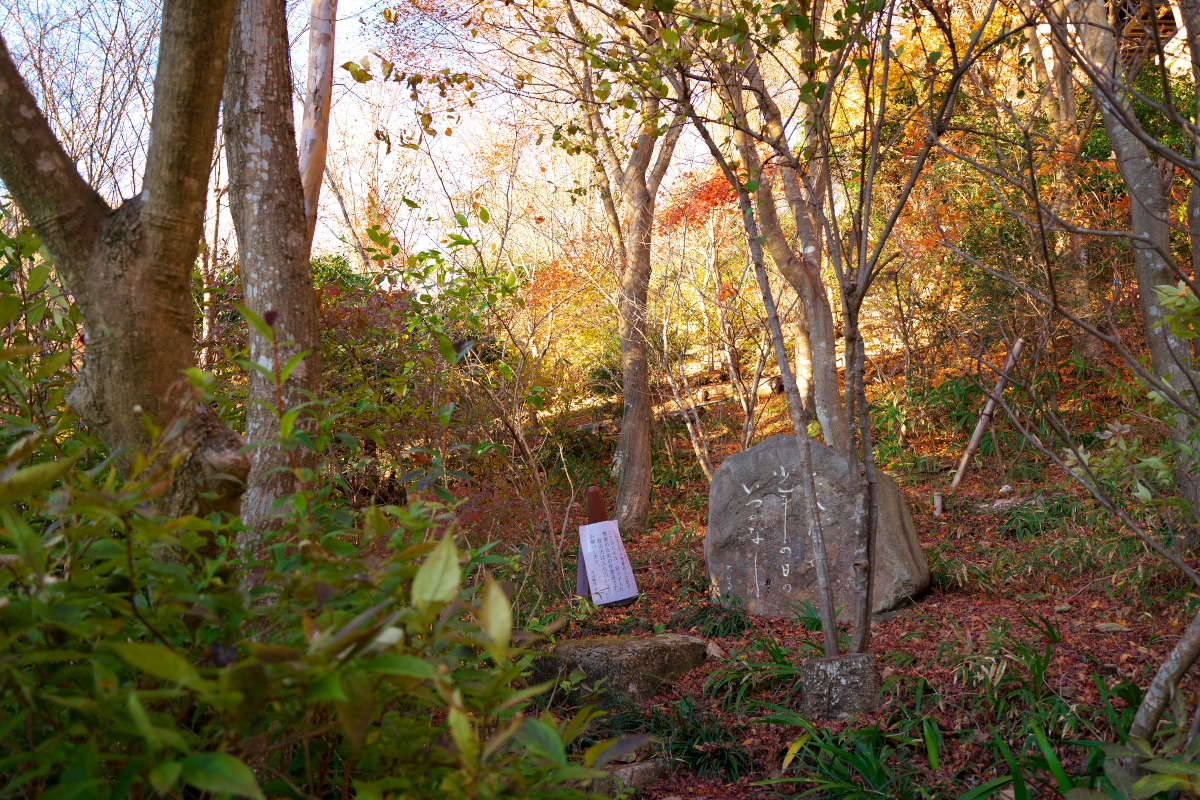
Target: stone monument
<point x="757" y="542"/>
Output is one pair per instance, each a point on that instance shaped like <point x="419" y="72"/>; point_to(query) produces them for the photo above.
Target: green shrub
<point x="136" y="656"/>
<point x="350" y="652"/>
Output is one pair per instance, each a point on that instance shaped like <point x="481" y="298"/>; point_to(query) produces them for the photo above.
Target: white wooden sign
<point x="609" y="575"/>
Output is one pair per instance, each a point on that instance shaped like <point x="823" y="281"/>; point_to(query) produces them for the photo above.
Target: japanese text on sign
<point x="608" y="571"/>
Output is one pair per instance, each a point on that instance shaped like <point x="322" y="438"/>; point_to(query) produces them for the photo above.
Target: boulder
<point x="756" y="547"/>
<point x="635" y="666"/>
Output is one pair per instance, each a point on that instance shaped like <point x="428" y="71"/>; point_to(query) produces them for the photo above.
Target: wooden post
<point x="595" y="513"/>
<point x="988" y="411"/>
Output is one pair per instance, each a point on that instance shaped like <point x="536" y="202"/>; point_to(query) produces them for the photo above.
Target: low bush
<point x="370" y="655"/>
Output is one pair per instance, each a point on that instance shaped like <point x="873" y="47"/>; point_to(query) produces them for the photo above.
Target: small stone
<point x="841" y="685"/>
<point x="634" y="667"/>
<point x="715" y="650"/>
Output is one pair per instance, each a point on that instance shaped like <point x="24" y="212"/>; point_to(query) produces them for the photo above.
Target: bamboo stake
<point x="988" y="411"/>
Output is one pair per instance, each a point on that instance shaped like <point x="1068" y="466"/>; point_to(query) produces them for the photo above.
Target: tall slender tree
<point x="266" y="198"/>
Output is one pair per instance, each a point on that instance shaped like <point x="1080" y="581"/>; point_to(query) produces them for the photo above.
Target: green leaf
<point x="328" y="687"/>
<point x="27" y="482"/>
<point x="220" y="772"/>
<point x="540" y="737"/>
<point x="1065" y="784"/>
<point x="273" y="653"/>
<point x="1020" y="792"/>
<point x="357" y="72"/>
<point x="447" y="348"/>
<point x="291" y="365"/>
<point x="1172" y="767"/>
<point x="10" y="308"/>
<point x="604" y="752"/>
<point x="465" y="736"/>
<point x="76" y="790"/>
<point x="357" y="711"/>
<point x="495" y="614"/>
<point x="795" y="749"/>
<point x="988" y="789"/>
<point x="164" y="776"/>
<point x="1151" y="785"/>
<point x="401" y="666"/>
<point x="157" y="660"/>
<point x="932" y="748"/>
<point x="141" y="721"/>
<point x="484" y="216"/>
<point x="364" y="790"/>
<point x="256" y="322"/>
<point x="52" y="365"/>
<point x="37" y="278"/>
<point x="438" y="578"/>
<point x="751" y="186"/>
<point x="461" y="219"/>
<point x="287" y="422"/>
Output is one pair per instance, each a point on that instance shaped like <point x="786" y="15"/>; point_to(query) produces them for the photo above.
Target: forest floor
<point x="1041" y="612"/>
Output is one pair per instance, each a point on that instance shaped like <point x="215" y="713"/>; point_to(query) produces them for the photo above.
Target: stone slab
<point x="635" y="666"/>
<point x="757" y="544"/>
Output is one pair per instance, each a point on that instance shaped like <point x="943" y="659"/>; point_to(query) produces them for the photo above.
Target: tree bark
<point x="266" y="199"/>
<point x="130" y="268"/>
<point x="632" y="459"/>
<point x="1170" y="357"/>
<point x="1070" y="248"/>
<point x="1190" y="11"/>
<point x="314" y="126"/>
<point x="628" y="191"/>
<point x="807" y="485"/>
<point x="801" y="270"/>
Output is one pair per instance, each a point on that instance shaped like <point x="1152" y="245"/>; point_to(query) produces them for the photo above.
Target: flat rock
<point x="630" y="777"/>
<point x="634" y="666"/>
<point x="756" y="547"/>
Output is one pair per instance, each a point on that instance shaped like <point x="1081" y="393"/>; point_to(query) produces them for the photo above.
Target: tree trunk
<point x="801" y="270"/>
<point x="130" y="268"/>
<point x="632" y="456"/>
<point x="266" y="199"/>
<point x="1190" y="11"/>
<point x="639" y="187"/>
<point x="1070" y="248"/>
<point x="1170" y="356"/>
<point x="314" y="126"/>
<point x="628" y="191"/>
